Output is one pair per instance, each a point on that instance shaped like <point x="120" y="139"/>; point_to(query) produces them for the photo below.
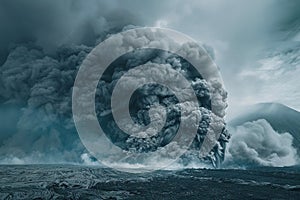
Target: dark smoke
<point x="42" y="44"/>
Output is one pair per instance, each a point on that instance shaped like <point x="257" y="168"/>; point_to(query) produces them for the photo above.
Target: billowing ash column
<point x="158" y="97"/>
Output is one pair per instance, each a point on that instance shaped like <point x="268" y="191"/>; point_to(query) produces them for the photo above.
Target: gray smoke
<point x="36" y="89"/>
<point x="42" y="44"/>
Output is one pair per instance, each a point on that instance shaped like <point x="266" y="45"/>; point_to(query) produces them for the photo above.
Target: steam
<point x="257" y="144"/>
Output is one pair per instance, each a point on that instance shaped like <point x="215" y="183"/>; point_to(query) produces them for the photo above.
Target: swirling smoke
<point x="209" y="93"/>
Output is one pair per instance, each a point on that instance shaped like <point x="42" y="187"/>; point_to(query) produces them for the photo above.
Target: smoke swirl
<point x="147" y="112"/>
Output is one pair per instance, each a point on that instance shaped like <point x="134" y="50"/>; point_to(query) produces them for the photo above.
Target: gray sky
<point x="256" y="43"/>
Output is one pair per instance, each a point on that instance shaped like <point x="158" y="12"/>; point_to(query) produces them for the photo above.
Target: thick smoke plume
<point x="42" y="44"/>
<point x="36" y="87"/>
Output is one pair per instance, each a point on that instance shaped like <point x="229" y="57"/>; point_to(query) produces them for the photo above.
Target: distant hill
<point x="281" y="118"/>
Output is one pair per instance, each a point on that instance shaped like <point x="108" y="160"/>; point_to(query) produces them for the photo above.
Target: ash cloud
<point x="37" y="79"/>
<point x="42" y="44"/>
<point x="39" y="88"/>
<point x="202" y="88"/>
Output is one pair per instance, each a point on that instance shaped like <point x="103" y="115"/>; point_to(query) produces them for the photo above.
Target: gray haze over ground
<point x="42" y="43"/>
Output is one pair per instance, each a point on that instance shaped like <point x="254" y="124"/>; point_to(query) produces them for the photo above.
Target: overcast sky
<point x="256" y="43"/>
